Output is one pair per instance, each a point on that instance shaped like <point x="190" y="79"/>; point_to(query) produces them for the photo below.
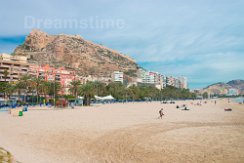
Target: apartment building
<point x="183" y="82"/>
<point x="180" y="82"/>
<point x="16" y="67"/>
<point x="61" y="75"/>
<point x="151" y="78"/>
<point x="171" y="81"/>
<point x="118" y="76"/>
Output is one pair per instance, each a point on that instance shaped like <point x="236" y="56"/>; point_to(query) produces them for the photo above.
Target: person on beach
<point x="161" y="113"/>
<point x="72" y="105"/>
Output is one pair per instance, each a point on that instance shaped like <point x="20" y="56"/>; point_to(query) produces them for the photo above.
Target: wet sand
<point x="128" y="132"/>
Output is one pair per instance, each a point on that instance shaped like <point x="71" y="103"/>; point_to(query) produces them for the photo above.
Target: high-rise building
<point x="151" y="78"/>
<point x="183" y="82"/>
<point x="118" y="76"/>
<point x="180" y="82"/>
<point x="171" y="81"/>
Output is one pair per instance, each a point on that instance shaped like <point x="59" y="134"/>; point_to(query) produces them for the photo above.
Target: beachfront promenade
<point x="129" y="132"/>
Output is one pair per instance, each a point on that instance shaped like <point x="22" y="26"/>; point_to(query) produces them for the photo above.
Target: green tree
<point x="36" y="84"/>
<point x="5" y="76"/>
<point x="176" y="93"/>
<point x="100" y="88"/>
<point x="74" y="86"/>
<point x="87" y="91"/>
<point x="205" y="95"/>
<point x="3" y="86"/>
<point x="10" y="89"/>
<point x="23" y="85"/>
<point x="53" y="88"/>
<point x="117" y="90"/>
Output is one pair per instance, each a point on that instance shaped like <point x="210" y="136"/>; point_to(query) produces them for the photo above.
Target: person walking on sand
<point x="161" y="113"/>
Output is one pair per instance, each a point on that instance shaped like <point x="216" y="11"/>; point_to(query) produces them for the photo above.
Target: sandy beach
<point x="126" y="133"/>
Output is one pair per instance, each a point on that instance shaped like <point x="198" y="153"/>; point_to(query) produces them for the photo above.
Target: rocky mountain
<point x="224" y="88"/>
<point x="238" y="84"/>
<point x="74" y="52"/>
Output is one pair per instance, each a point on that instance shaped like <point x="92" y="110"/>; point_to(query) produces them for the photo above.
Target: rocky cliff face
<point x="74" y="52"/>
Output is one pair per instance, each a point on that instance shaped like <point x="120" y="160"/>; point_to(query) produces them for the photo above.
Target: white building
<point x="152" y="78"/>
<point x="118" y="76"/>
<point x="233" y="92"/>
<point x="148" y="78"/>
<point x="160" y="81"/>
<point x="180" y="82"/>
<point x="183" y="82"/>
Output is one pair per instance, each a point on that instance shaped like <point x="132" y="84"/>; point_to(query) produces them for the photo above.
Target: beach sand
<point x="126" y="133"/>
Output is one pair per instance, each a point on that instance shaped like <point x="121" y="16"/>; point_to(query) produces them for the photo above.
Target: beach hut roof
<point x="109" y="97"/>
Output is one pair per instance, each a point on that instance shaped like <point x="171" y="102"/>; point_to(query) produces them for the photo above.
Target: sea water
<point x="238" y="99"/>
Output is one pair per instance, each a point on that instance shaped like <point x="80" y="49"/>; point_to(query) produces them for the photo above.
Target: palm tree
<point x="23" y="85"/>
<point x="87" y="90"/>
<point x="10" y="89"/>
<point x="53" y="88"/>
<point x="74" y="86"/>
<point x="36" y="83"/>
<point x="117" y="90"/>
<point x="5" y="74"/>
<point x="44" y="88"/>
<point x="100" y="88"/>
<point x="3" y="86"/>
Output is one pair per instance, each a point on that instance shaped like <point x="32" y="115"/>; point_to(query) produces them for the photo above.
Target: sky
<point x="200" y="39"/>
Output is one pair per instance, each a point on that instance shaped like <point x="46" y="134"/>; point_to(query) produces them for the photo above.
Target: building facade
<point x="118" y="76"/>
<point x="183" y="82"/>
<point x="61" y="75"/>
<point x="15" y="66"/>
<point x="171" y="81"/>
<point x="151" y="78"/>
<point x="233" y="92"/>
<point x="180" y="82"/>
